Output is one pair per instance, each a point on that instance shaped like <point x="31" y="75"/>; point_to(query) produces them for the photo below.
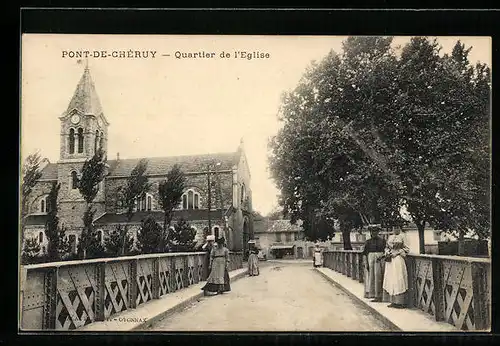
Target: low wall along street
<point x="451" y="288"/>
<point x="72" y="294"/>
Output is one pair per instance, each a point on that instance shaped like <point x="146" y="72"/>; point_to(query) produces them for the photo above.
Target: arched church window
<point x="80" y="140"/>
<point x="101" y="141"/>
<point x="96" y="142"/>
<point x="71" y="141"/>
<point x="42" y="205"/>
<point x="40" y="237"/>
<point x="190" y="199"/>
<point x="144" y="203"/>
<point x="243" y="193"/>
<point x="74" y="180"/>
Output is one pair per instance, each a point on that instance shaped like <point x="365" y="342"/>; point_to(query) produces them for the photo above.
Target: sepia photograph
<point x="213" y="183"/>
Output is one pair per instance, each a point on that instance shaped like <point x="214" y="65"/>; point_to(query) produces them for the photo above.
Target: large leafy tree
<point x="135" y="188"/>
<point x="170" y="193"/>
<point x="367" y="132"/>
<point x="58" y="243"/>
<point x="93" y="173"/>
<point x="31" y="173"/>
<point x="321" y="159"/>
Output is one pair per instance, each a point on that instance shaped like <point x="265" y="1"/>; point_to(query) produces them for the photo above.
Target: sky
<point x="165" y="106"/>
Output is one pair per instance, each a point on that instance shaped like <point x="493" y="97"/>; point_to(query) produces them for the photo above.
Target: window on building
<point x="44" y="204"/>
<point x="191" y="200"/>
<point x="96" y="142"/>
<point x="278" y="237"/>
<point x="144" y="203"/>
<point x="80" y="140"/>
<point x="71" y="141"/>
<point x="74" y="180"/>
<point x="288" y="237"/>
<point x="216" y="232"/>
<point x="101" y="141"/>
<point x="99" y="236"/>
<point x="40" y="237"/>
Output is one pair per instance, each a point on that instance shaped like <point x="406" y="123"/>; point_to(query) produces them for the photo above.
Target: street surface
<point x="287" y="296"/>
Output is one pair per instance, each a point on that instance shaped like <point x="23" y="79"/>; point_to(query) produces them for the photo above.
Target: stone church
<point x="222" y="177"/>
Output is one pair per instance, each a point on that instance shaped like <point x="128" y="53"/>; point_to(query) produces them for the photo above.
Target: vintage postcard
<point x="255" y="183"/>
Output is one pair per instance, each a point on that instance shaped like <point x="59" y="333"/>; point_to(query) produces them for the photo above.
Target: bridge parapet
<point x="450" y="288"/>
<point x="70" y="294"/>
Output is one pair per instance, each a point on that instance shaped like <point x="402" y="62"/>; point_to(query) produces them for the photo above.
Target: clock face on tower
<point x="75" y="119"/>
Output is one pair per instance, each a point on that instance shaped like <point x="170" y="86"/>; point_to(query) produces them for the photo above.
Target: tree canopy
<point x="369" y="131"/>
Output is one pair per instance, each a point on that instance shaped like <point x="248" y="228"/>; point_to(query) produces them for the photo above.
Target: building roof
<point x="49" y="172"/>
<point x="188" y="163"/>
<point x="276" y="226"/>
<point x="188" y="215"/>
<point x="160" y="165"/>
<point x="85" y="98"/>
<point x="35" y="220"/>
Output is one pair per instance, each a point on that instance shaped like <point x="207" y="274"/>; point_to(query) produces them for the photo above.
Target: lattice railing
<point x="450" y="288"/>
<point x="69" y="295"/>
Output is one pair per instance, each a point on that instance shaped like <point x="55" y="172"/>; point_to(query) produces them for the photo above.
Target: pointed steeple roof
<point x="85" y="98"/>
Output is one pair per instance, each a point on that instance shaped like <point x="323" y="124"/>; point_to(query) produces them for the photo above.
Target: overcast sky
<point x="167" y="106"/>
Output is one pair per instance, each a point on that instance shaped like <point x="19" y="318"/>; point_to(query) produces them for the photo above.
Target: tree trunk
<point x="461" y="235"/>
<point x="346" y="236"/>
<point x="421" y="236"/>
<point x="164" y="234"/>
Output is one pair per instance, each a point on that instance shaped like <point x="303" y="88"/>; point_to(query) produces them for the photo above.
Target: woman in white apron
<point x="253" y="260"/>
<point x="396" y="275"/>
<point x="318" y="256"/>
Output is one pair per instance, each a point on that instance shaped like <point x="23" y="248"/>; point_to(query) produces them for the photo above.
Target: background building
<point x="84" y="128"/>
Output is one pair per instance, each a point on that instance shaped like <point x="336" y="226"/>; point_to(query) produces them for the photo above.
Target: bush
<point x="149" y="236"/>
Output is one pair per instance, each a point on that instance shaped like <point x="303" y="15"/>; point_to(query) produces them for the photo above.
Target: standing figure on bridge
<point x="374" y="267"/>
<point x="218" y="280"/>
<point x="396" y="275"/>
<point x="318" y="256"/>
<point x="253" y="260"/>
<point x="207" y="247"/>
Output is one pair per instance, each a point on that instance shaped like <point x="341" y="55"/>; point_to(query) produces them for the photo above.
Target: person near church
<point x="395" y="274"/>
<point x="373" y="251"/>
<point x="318" y="256"/>
<point x="218" y="281"/>
<point x="253" y="260"/>
<point x="207" y="247"/>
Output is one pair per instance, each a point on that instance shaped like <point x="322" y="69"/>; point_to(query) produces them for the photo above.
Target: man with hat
<point x="373" y="251"/>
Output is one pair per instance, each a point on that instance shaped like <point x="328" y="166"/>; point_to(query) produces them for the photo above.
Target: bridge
<point x="162" y="292"/>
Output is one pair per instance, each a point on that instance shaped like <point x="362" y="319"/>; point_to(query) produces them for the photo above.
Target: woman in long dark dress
<point x="207" y="247"/>
<point x="218" y="280"/>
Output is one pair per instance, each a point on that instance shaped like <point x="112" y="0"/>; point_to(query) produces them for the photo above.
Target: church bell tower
<point x="83" y="130"/>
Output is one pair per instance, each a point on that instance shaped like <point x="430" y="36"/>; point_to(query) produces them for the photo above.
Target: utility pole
<point x="209" y="201"/>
